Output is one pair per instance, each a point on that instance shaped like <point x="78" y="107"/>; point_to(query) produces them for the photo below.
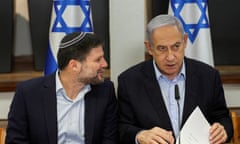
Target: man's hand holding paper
<point x="198" y="131"/>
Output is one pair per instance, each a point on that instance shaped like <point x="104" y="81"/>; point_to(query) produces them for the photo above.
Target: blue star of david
<point x="202" y="22"/>
<point x="86" y="25"/>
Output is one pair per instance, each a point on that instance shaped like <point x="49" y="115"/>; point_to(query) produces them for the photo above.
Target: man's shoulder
<point x="136" y="69"/>
<point x="36" y="81"/>
<point x="106" y="84"/>
<point x="104" y="90"/>
<point x="199" y="67"/>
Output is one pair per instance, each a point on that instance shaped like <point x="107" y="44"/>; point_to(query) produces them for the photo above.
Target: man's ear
<point x="185" y="38"/>
<point x="148" y="47"/>
<point x="74" y="65"/>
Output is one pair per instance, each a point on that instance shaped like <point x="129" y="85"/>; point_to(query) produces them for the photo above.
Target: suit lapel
<point x="90" y="107"/>
<point x="191" y="90"/>
<point x="156" y="98"/>
<point x="155" y="95"/>
<point x="50" y="108"/>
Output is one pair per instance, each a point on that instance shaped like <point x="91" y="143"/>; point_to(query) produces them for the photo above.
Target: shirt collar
<point x="58" y="82"/>
<point x="158" y="74"/>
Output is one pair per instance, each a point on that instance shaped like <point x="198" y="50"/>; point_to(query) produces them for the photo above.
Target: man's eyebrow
<point x="160" y="45"/>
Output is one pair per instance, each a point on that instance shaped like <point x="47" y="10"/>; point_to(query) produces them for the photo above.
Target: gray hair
<point x="161" y="21"/>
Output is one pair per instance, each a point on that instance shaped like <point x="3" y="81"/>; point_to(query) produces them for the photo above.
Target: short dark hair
<point x="78" y="50"/>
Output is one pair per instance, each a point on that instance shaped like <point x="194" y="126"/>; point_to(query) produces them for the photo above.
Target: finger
<point x="149" y="137"/>
<point x="218" y="138"/>
<point x="214" y="127"/>
<point x="215" y="130"/>
<point x="163" y="135"/>
<point x="167" y="137"/>
<point x="162" y="132"/>
<point x="160" y="140"/>
<point x="218" y="134"/>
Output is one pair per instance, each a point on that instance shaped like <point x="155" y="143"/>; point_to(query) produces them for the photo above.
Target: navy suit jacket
<point x="141" y="104"/>
<point x="32" y="118"/>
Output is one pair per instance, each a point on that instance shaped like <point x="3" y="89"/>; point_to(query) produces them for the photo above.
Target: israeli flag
<point x="194" y="16"/>
<point x="67" y="16"/>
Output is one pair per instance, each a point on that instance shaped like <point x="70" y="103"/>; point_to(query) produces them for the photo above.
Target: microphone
<point x="177" y="98"/>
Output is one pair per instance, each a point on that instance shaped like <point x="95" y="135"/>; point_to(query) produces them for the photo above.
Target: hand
<point x="218" y="134"/>
<point x="155" y="135"/>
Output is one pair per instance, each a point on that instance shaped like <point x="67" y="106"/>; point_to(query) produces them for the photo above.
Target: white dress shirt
<point x="70" y="115"/>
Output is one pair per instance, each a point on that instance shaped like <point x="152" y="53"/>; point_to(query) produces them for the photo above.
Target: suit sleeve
<point x="220" y="112"/>
<point x="17" y="121"/>
<point x="127" y="120"/>
<point x="110" y="132"/>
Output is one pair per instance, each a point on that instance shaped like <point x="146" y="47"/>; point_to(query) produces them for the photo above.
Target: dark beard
<point x="96" y="81"/>
<point x="93" y="80"/>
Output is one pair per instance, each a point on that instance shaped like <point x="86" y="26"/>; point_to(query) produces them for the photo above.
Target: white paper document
<point x="195" y="129"/>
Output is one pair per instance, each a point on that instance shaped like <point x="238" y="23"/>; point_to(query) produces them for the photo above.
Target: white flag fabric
<point x="67" y="16"/>
<point x="194" y="16"/>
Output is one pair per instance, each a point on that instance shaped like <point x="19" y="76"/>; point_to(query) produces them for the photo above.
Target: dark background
<point x="6" y="35"/>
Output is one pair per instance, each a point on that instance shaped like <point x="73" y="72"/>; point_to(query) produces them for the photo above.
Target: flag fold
<point x="194" y="16"/>
<point x="67" y="16"/>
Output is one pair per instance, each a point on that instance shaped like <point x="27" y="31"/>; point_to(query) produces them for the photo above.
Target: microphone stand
<point x="177" y="97"/>
<point x="179" y="142"/>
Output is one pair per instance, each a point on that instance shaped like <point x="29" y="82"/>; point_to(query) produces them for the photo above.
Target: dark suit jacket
<point x="141" y="104"/>
<point x="33" y="114"/>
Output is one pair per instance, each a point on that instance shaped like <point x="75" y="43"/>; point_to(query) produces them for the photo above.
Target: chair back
<point x="2" y="135"/>
<point x="235" y="138"/>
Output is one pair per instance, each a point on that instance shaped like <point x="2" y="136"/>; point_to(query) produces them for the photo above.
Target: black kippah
<point x="72" y="39"/>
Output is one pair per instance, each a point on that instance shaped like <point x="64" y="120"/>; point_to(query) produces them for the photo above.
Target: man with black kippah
<point x="75" y="105"/>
